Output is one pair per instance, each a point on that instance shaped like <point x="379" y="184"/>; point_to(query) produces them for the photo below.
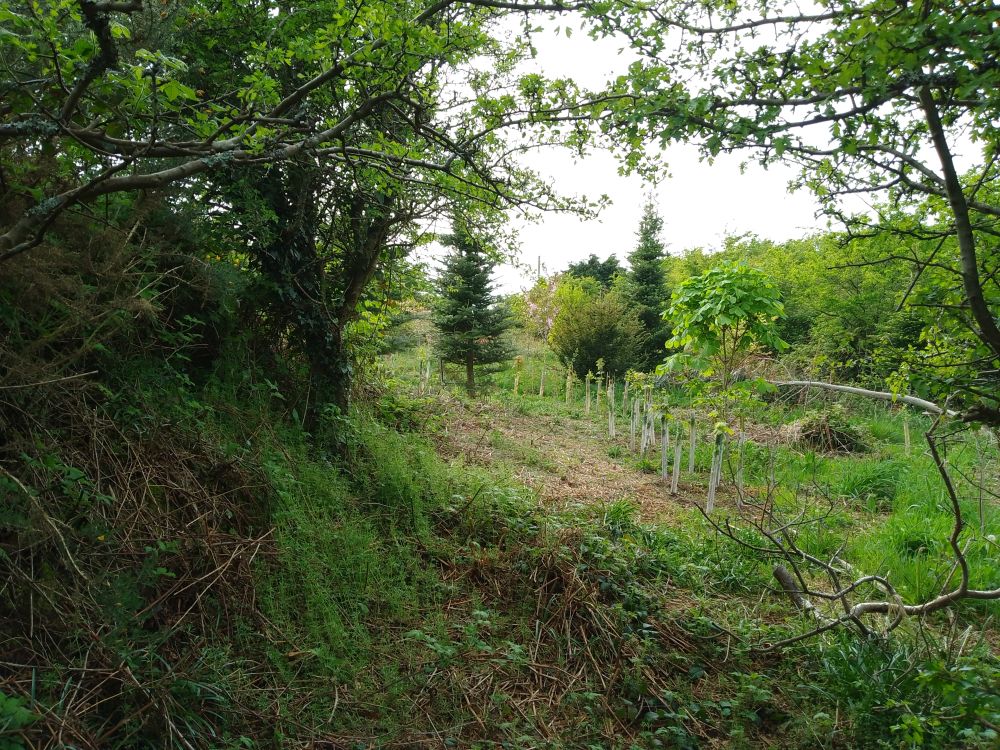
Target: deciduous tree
<point x="866" y="96"/>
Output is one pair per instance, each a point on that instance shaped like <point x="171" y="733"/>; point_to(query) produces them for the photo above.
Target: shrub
<point x="600" y="327"/>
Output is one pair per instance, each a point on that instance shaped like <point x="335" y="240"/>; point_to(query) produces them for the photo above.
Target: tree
<point x="644" y="286"/>
<point x="316" y="141"/>
<point x="470" y="318"/>
<point x="536" y="308"/>
<point x="603" y="271"/>
<point x="591" y="325"/>
<point x="719" y="317"/>
<point x="867" y="97"/>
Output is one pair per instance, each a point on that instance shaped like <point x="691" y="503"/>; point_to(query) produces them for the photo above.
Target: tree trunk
<point x="989" y="333"/>
<point x="470" y="374"/>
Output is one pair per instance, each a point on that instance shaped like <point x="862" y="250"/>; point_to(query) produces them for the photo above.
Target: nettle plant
<point x="720" y="321"/>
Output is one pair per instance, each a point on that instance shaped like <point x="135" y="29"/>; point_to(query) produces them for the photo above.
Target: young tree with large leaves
<point x="470" y="318"/>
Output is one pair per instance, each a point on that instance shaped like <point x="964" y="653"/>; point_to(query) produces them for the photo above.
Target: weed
<point x="872" y="482"/>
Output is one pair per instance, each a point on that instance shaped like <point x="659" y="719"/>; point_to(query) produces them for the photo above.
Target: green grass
<point x="884" y="511"/>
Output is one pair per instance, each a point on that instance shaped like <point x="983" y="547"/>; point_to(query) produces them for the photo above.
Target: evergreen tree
<point x="645" y="286"/>
<point x="471" y="320"/>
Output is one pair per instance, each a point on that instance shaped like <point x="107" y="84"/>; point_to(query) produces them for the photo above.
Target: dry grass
<point x="564" y="460"/>
<point x="118" y="577"/>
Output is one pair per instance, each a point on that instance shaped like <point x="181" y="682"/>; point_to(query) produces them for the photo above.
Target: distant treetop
<point x="603" y="271"/>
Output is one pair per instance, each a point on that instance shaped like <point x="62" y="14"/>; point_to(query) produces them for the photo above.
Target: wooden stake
<point x="906" y="433"/>
<point x="586" y="408"/>
<point x="517" y="382"/>
<point x="541" y="383"/>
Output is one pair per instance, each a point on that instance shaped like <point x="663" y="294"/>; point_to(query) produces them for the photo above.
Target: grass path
<point x="565" y="459"/>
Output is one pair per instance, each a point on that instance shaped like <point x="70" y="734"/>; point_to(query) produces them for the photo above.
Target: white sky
<point x="700" y="203"/>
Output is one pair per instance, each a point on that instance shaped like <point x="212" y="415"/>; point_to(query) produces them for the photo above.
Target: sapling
<point x="719" y="319"/>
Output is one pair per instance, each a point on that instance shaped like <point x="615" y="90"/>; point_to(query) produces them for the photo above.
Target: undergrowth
<point x="185" y="566"/>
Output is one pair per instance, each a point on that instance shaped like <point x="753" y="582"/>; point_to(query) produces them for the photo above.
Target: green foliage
<point x="722" y="313"/>
<point x="897" y="693"/>
<point x="644" y="286"/>
<point x="588" y="328"/>
<point x="719" y="318"/>
<point x="892" y="135"/>
<point x="14" y="716"/>
<point x="602" y="271"/>
<point x="470" y="318"/>
<point x="873" y="482"/>
<point x="536" y="308"/>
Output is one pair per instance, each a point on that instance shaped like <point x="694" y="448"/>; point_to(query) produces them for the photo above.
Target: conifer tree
<point x="646" y="287"/>
<point x="470" y="318"/>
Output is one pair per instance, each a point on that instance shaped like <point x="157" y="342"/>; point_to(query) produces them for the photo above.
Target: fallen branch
<point x="929" y="406"/>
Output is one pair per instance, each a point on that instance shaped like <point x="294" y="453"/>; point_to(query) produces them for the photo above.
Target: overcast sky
<point x="700" y="203"/>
